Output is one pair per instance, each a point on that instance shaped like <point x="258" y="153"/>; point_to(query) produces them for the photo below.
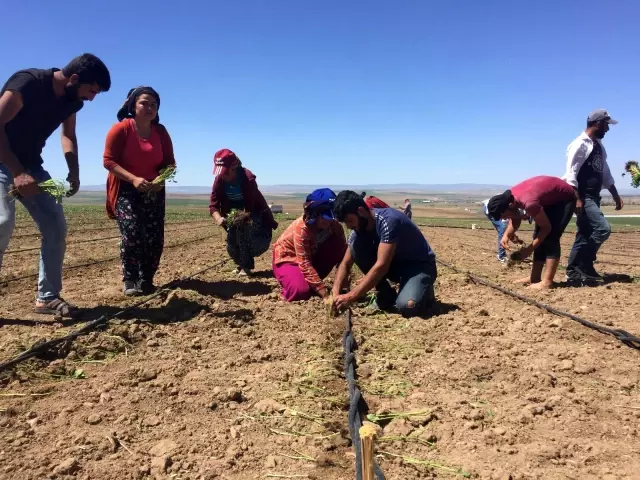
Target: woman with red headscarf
<point x="137" y="148"/>
<point x="235" y="189"/>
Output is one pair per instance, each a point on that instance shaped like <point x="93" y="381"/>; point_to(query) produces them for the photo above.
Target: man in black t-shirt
<point x="33" y="104"/>
<point x="588" y="173"/>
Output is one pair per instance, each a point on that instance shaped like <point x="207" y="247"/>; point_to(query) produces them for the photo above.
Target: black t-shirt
<point x="590" y="174"/>
<point x="41" y="114"/>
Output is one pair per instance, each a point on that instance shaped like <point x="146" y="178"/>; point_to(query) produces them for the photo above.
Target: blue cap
<point x="319" y="203"/>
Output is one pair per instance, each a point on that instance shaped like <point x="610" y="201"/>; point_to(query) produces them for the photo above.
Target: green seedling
<point x="56" y="188"/>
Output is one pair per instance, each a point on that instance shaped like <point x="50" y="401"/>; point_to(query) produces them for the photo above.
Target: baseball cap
<point x="601" y="114"/>
<point x="223" y="159"/>
<point x="319" y="203"/>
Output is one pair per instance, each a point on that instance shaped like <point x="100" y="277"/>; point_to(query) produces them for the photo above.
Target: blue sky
<point x="353" y="92"/>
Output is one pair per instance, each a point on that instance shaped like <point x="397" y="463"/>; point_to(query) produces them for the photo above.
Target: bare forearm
<point x="70" y="150"/>
<point x="7" y="156"/>
<point x="370" y="280"/>
<point x="123" y="174"/>
<point x="614" y="192"/>
<point x="341" y="276"/>
<point x="510" y="231"/>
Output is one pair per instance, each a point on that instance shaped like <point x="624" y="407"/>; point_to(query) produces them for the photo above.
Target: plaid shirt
<point x="298" y="244"/>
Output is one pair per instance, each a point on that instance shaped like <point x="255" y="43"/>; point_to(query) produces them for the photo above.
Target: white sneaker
<point x="244" y="272"/>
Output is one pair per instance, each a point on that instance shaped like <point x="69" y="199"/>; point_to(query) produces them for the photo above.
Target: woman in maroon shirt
<point x="235" y="188"/>
<point x="551" y="202"/>
<point x="137" y="148"/>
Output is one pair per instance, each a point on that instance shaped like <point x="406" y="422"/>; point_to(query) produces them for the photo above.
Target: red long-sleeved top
<point x="298" y="244"/>
<point x="140" y="157"/>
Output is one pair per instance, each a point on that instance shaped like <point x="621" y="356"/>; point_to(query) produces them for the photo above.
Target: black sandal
<point x="58" y="308"/>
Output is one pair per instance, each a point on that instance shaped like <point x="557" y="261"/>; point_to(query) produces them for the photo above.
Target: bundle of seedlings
<point x="238" y="218"/>
<point x="167" y="174"/>
<point x="56" y="188"/>
<point x="631" y="167"/>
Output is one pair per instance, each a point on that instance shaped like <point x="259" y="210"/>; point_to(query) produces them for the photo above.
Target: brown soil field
<point x="219" y="378"/>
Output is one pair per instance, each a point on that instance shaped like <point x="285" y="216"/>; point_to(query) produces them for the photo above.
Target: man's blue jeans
<point x="500" y="227"/>
<point x="49" y="218"/>
<point x="416" y="279"/>
<point x="593" y="231"/>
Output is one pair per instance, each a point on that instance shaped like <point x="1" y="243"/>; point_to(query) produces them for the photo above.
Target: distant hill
<point x="298" y="188"/>
<point x="292" y="189"/>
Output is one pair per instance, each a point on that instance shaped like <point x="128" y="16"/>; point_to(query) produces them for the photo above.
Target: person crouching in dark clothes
<point x="235" y="194"/>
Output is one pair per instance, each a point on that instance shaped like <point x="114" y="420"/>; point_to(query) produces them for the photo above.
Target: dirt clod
<point x="269" y="406"/>
<point x="163" y="447"/>
<point x="94" y="419"/>
<point x="565" y="365"/>
<point x="161" y="464"/>
<point x="271" y="462"/>
<point x="147" y="375"/>
<point x="67" y="467"/>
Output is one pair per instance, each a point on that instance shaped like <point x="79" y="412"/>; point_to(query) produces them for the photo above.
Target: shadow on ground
<point x="441" y="308"/>
<point x="226" y="289"/>
<point x="176" y="309"/>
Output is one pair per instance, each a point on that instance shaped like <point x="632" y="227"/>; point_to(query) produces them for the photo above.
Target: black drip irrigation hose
<point x="96" y="262"/>
<point x="432" y="225"/>
<point x="101" y="321"/>
<point x="97" y="229"/>
<point x="357" y="405"/>
<point x="100" y="239"/>
<point x="625" y="337"/>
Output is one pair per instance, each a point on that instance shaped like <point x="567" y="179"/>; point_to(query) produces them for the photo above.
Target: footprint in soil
<point x="226" y="289"/>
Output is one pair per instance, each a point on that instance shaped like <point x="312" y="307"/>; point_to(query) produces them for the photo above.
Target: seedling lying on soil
<point x="25" y="394"/>
<point x="372" y="417"/>
<point x="298" y="456"/>
<point x="633" y="169"/>
<point x="294" y="433"/>
<point x="56" y="188"/>
<point x="405" y="438"/>
<point x="429" y="463"/>
<point x="388" y="389"/>
<point x="76" y="374"/>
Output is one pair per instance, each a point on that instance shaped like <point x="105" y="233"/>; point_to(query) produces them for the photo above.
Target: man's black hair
<point x="592" y="124"/>
<point x="347" y="202"/>
<point x="499" y="204"/>
<point x="90" y="69"/>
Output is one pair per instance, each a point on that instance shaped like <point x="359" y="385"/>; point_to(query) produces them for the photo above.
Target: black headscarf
<point x="499" y="204"/>
<point x="128" y="109"/>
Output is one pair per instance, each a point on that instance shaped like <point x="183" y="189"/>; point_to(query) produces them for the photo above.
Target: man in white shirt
<point x="588" y="173"/>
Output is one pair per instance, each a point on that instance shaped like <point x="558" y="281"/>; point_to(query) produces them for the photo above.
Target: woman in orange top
<point x="137" y="148"/>
<point x="309" y="249"/>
